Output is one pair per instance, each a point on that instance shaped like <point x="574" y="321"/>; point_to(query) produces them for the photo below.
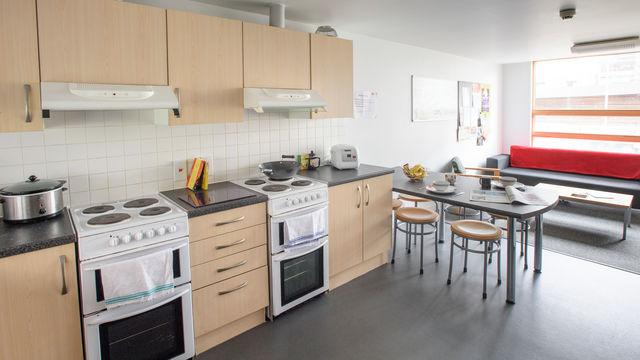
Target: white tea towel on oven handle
<point x="305" y="228"/>
<point x="138" y="280"/>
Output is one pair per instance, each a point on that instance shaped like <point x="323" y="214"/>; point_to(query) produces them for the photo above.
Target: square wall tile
<point x="35" y="138"/>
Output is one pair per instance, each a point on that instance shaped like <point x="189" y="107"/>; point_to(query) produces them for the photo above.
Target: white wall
<point x="516" y="105"/>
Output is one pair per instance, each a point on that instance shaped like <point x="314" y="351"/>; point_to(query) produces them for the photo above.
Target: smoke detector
<point x="567" y="14"/>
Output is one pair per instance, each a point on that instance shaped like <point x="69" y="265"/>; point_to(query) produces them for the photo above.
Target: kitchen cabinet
<point x="38" y="319"/>
<point x="102" y="41"/>
<point x="275" y="57"/>
<point x="359" y="227"/>
<point x="229" y="273"/>
<point x="332" y="75"/>
<point x="205" y="64"/>
<point x="19" y="59"/>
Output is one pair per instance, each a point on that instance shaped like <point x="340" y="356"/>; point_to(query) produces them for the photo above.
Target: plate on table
<point x="517" y="185"/>
<point x="449" y="189"/>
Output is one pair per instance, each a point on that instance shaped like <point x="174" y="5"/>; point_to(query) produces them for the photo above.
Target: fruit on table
<point x="417" y="171"/>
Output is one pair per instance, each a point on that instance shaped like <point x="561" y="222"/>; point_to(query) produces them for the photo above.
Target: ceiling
<point x="499" y="31"/>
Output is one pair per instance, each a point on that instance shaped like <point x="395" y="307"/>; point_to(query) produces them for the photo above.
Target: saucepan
<point x="280" y="170"/>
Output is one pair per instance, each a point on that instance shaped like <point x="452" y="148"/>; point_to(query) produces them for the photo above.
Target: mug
<point x="485" y="182"/>
<point x="450" y="177"/>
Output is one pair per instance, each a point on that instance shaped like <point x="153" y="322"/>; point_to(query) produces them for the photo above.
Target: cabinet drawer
<point x="229" y="300"/>
<point x="202" y="227"/>
<point x="230" y="266"/>
<point x="227" y="244"/>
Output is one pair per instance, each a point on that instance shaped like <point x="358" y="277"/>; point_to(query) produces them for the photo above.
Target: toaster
<point x="344" y="156"/>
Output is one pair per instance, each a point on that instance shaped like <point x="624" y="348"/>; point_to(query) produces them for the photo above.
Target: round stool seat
<point x="497" y="216"/>
<point x="396" y="204"/>
<point x="477" y="230"/>
<point x="416" y="215"/>
<point x="406" y="197"/>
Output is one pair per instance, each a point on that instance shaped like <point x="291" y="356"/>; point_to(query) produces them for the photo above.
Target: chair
<point x="485" y="233"/>
<point x="416" y="200"/>
<point x="416" y="216"/>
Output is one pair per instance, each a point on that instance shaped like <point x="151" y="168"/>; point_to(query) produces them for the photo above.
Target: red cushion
<point x="624" y="166"/>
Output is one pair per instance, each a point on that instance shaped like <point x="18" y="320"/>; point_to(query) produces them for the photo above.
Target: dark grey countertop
<point x="332" y="176"/>
<point x="18" y="239"/>
<point x="224" y="189"/>
<point x="464" y="186"/>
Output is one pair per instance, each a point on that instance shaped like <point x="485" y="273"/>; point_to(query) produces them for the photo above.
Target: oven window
<point x="155" y="334"/>
<point x="301" y="275"/>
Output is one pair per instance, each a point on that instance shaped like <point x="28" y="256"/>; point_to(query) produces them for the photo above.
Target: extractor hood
<point x="74" y="96"/>
<point x="278" y="100"/>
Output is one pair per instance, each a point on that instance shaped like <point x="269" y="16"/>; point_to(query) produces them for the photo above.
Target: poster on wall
<point x="432" y="99"/>
<point x="365" y="104"/>
<point x="474" y="111"/>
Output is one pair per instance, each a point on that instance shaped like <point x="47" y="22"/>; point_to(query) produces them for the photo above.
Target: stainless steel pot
<point x="280" y="170"/>
<point x="33" y="199"/>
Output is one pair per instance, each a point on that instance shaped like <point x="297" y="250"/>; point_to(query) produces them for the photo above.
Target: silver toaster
<point x="345" y="156"/>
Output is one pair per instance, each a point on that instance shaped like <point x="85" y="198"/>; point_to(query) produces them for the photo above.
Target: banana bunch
<point x="416" y="172"/>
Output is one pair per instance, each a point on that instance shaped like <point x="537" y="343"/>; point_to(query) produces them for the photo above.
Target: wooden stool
<point x="483" y="232"/>
<point x="417" y="216"/>
<point x="396" y="204"/>
<point x="416" y="200"/>
<point x="524" y="235"/>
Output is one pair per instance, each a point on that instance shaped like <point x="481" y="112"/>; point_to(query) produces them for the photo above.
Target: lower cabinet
<point x="359" y="227"/>
<point x="229" y="273"/>
<point x="38" y="318"/>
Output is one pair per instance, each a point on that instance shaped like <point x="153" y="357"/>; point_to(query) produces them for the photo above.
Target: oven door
<point x="299" y="275"/>
<point x="276" y="225"/>
<point x="158" y="329"/>
<point x="91" y="279"/>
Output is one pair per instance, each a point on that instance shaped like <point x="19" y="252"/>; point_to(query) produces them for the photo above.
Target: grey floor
<point x="575" y="309"/>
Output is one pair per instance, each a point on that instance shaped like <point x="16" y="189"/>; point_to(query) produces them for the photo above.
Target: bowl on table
<point x="441" y="185"/>
<point x="415" y="173"/>
<point x="507" y="181"/>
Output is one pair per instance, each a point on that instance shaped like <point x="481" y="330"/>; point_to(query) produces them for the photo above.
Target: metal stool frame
<point x="415" y="233"/>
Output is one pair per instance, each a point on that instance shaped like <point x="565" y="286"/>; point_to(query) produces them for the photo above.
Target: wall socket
<point x="180" y="170"/>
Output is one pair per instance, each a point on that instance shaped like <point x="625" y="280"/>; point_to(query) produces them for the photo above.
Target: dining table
<point x="464" y="186"/>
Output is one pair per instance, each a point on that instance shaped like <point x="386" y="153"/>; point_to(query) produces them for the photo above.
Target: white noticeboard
<point x="433" y="99"/>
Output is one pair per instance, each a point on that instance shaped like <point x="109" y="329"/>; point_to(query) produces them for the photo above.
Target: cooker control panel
<point x="298" y="200"/>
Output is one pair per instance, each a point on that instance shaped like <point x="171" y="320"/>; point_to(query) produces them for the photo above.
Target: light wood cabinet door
<point x="37" y="320"/>
<point x="19" y="59"/>
<point x="332" y="75"/>
<point x="102" y="41"/>
<point x="377" y="215"/>
<point x="345" y="226"/>
<point x="275" y="57"/>
<point x="205" y="63"/>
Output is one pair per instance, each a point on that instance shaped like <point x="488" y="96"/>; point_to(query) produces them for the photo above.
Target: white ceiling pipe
<point x="276" y="15"/>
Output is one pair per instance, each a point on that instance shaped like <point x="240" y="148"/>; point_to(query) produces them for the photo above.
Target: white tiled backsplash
<point x="114" y="155"/>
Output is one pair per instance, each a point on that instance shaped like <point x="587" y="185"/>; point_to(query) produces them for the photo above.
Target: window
<point x="587" y="103"/>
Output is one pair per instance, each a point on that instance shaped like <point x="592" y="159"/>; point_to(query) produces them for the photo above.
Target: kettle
<point x="314" y="161"/>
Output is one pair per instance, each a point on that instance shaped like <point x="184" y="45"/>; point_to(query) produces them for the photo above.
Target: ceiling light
<point x="625" y="43"/>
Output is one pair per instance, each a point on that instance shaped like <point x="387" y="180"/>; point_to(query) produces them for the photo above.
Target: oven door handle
<point x="297" y="253"/>
<point x="118" y="313"/>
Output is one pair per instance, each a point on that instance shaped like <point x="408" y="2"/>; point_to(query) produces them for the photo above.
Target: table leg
<point x="537" y="266"/>
<point x="441" y="224"/>
<point x="511" y="261"/>
<point x="627" y="222"/>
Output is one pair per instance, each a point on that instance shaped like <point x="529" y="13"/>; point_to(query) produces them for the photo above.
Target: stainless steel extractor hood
<point x="278" y="100"/>
<point x="74" y="96"/>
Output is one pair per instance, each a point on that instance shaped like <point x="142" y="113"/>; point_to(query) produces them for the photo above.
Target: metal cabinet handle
<point x="234" y="289"/>
<point x="359" y="197"/>
<point x="230" y="221"/>
<point x="63" y="259"/>
<point x="233" y="266"/>
<point x="27" y="108"/>
<point x="176" y="112"/>
<point x="368" y="194"/>
<point x="232" y="244"/>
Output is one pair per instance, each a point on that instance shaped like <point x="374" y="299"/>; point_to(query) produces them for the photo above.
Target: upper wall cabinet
<point x="332" y="74"/>
<point x="275" y="57"/>
<point x="19" y="104"/>
<point x="205" y="63"/>
<point x="102" y="41"/>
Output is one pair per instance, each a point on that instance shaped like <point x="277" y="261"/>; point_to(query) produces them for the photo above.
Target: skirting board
<point x="358" y="270"/>
<point x="224" y="333"/>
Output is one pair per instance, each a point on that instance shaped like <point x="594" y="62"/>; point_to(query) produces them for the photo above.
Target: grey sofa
<point x="534" y="176"/>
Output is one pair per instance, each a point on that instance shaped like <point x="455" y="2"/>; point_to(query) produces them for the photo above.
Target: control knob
<point x="125" y="238"/>
<point x="306" y="198"/>
<point x="294" y="201"/>
<point x="149" y="234"/>
<point x="113" y="242"/>
<point x="172" y="229"/>
<point x="287" y="203"/>
<point x="138" y="236"/>
<point x="160" y="231"/>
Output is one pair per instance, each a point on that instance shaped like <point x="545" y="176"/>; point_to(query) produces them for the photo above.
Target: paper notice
<point x="365" y="104"/>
